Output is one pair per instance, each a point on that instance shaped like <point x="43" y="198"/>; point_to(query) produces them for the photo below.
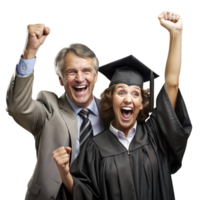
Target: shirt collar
<point x="92" y="107"/>
<point x="120" y="134"/>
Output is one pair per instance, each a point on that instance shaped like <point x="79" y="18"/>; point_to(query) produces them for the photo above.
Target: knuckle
<point x="56" y="159"/>
<point x="59" y="162"/>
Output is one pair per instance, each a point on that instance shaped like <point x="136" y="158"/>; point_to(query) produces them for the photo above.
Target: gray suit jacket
<point x="52" y="122"/>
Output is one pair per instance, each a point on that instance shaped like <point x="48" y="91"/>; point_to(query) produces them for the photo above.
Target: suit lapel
<point x="70" y="121"/>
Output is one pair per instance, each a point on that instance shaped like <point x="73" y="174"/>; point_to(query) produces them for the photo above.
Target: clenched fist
<point x="62" y="157"/>
<point x="171" y="21"/>
<point x="37" y="34"/>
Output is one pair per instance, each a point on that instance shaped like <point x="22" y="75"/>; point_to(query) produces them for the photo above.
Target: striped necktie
<point x="86" y="127"/>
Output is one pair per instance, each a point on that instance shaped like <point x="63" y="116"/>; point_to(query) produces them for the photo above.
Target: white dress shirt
<point x="94" y="117"/>
<point x="121" y="137"/>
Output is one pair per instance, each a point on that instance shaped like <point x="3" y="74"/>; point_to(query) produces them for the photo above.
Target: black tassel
<point x="152" y="92"/>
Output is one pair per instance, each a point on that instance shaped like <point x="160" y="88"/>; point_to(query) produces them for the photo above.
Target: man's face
<point x="79" y="77"/>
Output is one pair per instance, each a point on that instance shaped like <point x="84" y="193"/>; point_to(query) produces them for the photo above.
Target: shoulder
<point x="101" y="136"/>
<point x="98" y="139"/>
<point x="47" y="92"/>
<point x="95" y="145"/>
<point x="46" y="95"/>
<point x="48" y="99"/>
<point x="107" y="143"/>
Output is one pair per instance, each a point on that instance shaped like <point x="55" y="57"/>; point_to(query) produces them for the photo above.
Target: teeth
<point x="126" y="108"/>
<point x="78" y="87"/>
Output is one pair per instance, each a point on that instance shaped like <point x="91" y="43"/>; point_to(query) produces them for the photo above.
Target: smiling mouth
<point x="127" y="113"/>
<point x="80" y="88"/>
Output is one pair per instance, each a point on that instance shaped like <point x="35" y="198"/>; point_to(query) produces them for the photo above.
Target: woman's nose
<point x="127" y="99"/>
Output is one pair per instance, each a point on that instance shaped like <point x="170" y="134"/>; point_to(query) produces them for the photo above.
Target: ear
<point x="97" y="77"/>
<point x="60" y="80"/>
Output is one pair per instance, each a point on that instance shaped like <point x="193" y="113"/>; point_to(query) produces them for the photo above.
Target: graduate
<point x="135" y="157"/>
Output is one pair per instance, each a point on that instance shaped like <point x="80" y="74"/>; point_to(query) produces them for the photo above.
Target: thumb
<point x="68" y="150"/>
<point x="161" y="18"/>
<point x="46" y="31"/>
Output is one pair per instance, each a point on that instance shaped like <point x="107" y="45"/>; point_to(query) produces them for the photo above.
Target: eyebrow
<point x="90" y="68"/>
<point x="70" y="69"/>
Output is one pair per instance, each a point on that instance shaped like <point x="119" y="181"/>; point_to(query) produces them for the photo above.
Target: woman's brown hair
<point x="106" y="105"/>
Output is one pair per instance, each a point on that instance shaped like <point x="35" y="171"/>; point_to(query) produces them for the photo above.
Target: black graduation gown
<point x="106" y="170"/>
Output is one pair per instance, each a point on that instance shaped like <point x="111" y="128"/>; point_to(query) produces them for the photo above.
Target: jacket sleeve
<point x="28" y="113"/>
<point x="171" y="128"/>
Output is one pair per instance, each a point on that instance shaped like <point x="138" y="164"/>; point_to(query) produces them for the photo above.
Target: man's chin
<point x="81" y="102"/>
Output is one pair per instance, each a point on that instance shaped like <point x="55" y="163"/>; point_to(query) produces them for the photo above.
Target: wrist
<point x="175" y="33"/>
<point x="29" y="54"/>
<point x="68" y="182"/>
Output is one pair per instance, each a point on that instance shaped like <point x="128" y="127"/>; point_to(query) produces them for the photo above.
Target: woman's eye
<point x="120" y="93"/>
<point x="135" y="94"/>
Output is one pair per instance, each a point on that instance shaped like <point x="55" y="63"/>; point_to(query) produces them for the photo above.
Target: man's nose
<point x="79" y="77"/>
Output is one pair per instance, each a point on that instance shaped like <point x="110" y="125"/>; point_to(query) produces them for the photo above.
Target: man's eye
<point x="71" y="72"/>
<point x="86" y="70"/>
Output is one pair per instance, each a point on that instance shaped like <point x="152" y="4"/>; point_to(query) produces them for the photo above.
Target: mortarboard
<point x="130" y="71"/>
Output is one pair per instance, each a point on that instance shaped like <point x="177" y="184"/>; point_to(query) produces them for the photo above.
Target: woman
<point x="133" y="159"/>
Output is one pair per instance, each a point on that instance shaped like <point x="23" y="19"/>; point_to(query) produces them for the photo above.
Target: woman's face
<point x="127" y="102"/>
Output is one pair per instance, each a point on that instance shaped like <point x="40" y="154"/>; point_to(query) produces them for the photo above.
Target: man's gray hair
<point x="80" y="50"/>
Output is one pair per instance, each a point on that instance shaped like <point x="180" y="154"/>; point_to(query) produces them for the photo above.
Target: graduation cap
<point x="130" y="71"/>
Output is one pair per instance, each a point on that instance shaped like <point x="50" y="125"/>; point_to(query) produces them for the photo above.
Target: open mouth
<point x="127" y="113"/>
<point x="81" y="88"/>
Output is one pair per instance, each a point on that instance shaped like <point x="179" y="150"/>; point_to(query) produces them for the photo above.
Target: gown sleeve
<point x="171" y="128"/>
<point x="85" y="173"/>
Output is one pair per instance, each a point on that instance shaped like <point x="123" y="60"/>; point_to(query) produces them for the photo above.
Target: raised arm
<point x="27" y="112"/>
<point x="173" y="23"/>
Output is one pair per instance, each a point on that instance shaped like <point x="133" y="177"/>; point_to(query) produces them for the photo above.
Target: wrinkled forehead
<point x="122" y="86"/>
<point x="71" y="60"/>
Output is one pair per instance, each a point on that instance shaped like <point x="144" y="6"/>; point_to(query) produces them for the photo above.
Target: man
<point x="54" y="121"/>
